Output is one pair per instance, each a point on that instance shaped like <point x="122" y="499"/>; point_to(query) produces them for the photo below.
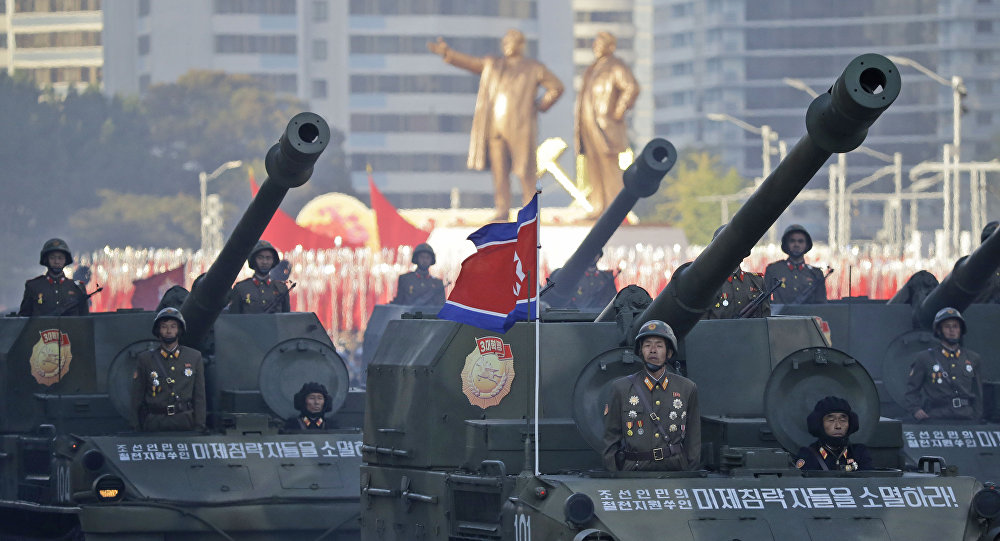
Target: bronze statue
<point x="505" y="122"/>
<point x="608" y="91"/>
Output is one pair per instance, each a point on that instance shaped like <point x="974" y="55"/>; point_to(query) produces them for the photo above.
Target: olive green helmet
<point x="260" y="247"/>
<point x="54" y="245"/>
<point x="423" y="247"/>
<point x="168" y="313"/>
<point x="945" y="314"/>
<point x="655" y="327"/>
<point x="795" y="228"/>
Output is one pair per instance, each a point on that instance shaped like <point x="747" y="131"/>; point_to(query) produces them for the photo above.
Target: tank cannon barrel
<point x="641" y="179"/>
<point x="969" y="276"/>
<point x="289" y="164"/>
<point x="836" y="121"/>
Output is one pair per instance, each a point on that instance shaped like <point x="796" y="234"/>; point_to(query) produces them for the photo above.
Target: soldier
<point x="991" y="294"/>
<point x="739" y="290"/>
<point x="832" y="422"/>
<point x="608" y="91"/>
<point x="505" y="120"/>
<point x="168" y="385"/>
<point x="945" y="381"/>
<point x="800" y="283"/>
<point x="652" y="421"/>
<point x="419" y="287"/>
<point x="260" y="294"/>
<point x="312" y="401"/>
<point x="595" y="289"/>
<point x="53" y="293"/>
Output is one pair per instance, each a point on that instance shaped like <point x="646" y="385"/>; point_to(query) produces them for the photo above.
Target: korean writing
<point x="167" y="451"/>
<point x="917" y="439"/>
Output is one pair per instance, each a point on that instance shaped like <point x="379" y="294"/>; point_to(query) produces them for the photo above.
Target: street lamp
<point x="203" y="179"/>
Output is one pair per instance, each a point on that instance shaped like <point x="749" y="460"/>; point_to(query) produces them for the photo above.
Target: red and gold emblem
<point x="488" y="372"/>
<point x="50" y="357"/>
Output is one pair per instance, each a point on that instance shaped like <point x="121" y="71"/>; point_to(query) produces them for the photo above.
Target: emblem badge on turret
<point x="488" y="372"/>
<point x="50" y="357"/>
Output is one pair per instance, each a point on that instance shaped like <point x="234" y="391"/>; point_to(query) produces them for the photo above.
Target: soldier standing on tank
<point x="945" y="381"/>
<point x="313" y="402"/>
<point x="168" y="385"/>
<point x="991" y="294"/>
<point x="832" y="422"/>
<point x="419" y="287"/>
<point x="260" y="294"/>
<point x="54" y="293"/>
<point x="739" y="290"/>
<point x="800" y="283"/>
<point x="652" y="420"/>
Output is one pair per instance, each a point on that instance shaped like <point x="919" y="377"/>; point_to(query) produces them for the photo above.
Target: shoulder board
<point x="758" y="274"/>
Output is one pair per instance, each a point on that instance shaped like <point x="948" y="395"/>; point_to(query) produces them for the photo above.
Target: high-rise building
<point x="56" y="43"/>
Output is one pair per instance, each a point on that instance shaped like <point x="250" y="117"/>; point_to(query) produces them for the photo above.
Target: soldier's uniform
<point x="629" y="426"/>
<point x="795" y="279"/>
<point x="595" y="289"/>
<point x="737" y="291"/>
<point x="253" y="296"/>
<point x="168" y="390"/>
<point x="54" y="295"/>
<point x="419" y="287"/>
<point x="852" y="457"/>
<point x="945" y="384"/>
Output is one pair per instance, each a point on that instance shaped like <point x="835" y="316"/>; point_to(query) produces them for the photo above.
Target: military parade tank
<point x="886" y="337"/>
<point x="471" y="463"/>
<point x="69" y="461"/>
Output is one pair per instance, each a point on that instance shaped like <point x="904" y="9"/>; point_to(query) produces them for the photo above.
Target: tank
<point x="500" y="449"/>
<point x="69" y="461"/>
<point x="886" y="337"/>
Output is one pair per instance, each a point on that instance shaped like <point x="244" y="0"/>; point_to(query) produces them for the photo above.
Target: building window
<point x="413" y="84"/>
<point x="984" y="119"/>
<point x="515" y="9"/>
<point x="984" y="57"/>
<point x="319" y="49"/>
<point x="984" y="27"/>
<point x="277" y="82"/>
<point x="250" y="44"/>
<point x="51" y="6"/>
<point x="58" y="39"/>
<point x="319" y="89"/>
<point x="682" y="68"/>
<point x="603" y="16"/>
<point x="685" y="9"/>
<point x="682" y="39"/>
<point x="256" y="7"/>
<point x="144" y="45"/>
<point x="320" y="11"/>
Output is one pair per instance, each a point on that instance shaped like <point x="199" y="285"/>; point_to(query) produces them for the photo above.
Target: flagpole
<point x="538" y="326"/>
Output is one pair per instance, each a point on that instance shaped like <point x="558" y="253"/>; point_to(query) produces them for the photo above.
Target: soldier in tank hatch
<point x="739" y="290"/>
<point x="260" y="293"/>
<point x="832" y="422"/>
<point x="419" y="287"/>
<point x="652" y="421"/>
<point x="800" y="283"/>
<point x="54" y="293"/>
<point x="945" y="381"/>
<point x="168" y="385"/>
<point x="595" y="289"/>
<point x="313" y="402"/>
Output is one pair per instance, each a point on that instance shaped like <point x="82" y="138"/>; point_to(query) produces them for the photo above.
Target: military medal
<point x="936" y="368"/>
<point x="673" y="415"/>
<point x="188" y="372"/>
<point x="639" y="424"/>
<point x="634" y="400"/>
<point x="632" y="414"/>
<point x="677" y="403"/>
<point x="684" y="414"/>
<point x="725" y="299"/>
<point x="968" y="368"/>
<point x="248" y="298"/>
<point x="39" y="298"/>
<point x="673" y="428"/>
<point x="629" y="432"/>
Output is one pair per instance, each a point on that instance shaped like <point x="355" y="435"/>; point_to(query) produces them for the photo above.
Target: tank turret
<point x="641" y="179"/>
<point x="837" y="121"/>
<point x="289" y="164"/>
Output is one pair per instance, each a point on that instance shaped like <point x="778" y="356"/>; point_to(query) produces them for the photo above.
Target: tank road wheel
<point x="808" y="375"/>
<point x="293" y="362"/>
<point x="593" y="390"/>
<point x="119" y="382"/>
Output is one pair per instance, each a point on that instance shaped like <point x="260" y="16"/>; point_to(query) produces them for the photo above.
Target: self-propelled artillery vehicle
<point x="70" y="464"/>
<point x="452" y="451"/>
<point x="885" y="337"/>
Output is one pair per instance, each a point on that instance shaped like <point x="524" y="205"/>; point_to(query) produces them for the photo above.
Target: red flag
<point x="285" y="234"/>
<point x="393" y="229"/>
<point x="148" y="291"/>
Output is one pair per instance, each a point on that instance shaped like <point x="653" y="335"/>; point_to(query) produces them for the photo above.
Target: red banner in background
<point x="285" y="234"/>
<point x="393" y="229"/>
<point x="146" y="293"/>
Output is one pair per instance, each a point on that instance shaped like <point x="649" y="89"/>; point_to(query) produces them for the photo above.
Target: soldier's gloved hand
<point x="920" y="415"/>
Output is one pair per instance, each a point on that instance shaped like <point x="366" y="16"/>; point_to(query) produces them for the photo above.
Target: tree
<point x="141" y="220"/>
<point x="695" y="175"/>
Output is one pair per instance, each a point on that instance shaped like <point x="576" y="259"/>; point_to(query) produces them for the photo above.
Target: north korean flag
<point x="497" y="285"/>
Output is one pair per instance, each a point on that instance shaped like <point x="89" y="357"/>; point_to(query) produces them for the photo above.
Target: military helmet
<point x="718" y="230"/>
<point x="795" y="228"/>
<point x="988" y="230"/>
<point x="655" y="327"/>
<point x="826" y="406"/>
<point x="260" y="247"/>
<point x="168" y="313"/>
<point x="54" y="245"/>
<point x="308" y="388"/>
<point x="423" y="247"/>
<point x="947" y="313"/>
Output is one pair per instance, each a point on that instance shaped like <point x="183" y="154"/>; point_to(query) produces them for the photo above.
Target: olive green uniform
<point x="795" y="279"/>
<point x="45" y="295"/>
<point x="629" y="427"/>
<point x="736" y="292"/>
<point x="946" y="385"/>
<point x="253" y="296"/>
<point x="168" y="390"/>
<point x="419" y="287"/>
